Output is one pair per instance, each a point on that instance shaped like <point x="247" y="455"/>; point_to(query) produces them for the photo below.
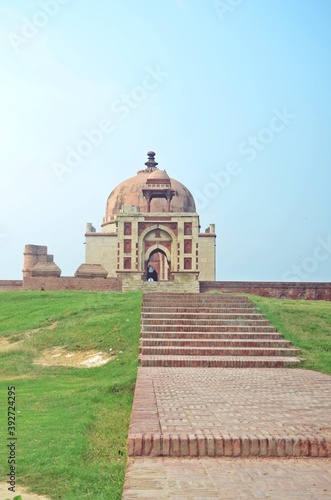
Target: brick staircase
<point x="221" y="330"/>
<point x="231" y="410"/>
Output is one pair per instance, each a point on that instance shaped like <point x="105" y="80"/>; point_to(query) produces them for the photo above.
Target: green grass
<point x="305" y="323"/>
<point x="72" y="423"/>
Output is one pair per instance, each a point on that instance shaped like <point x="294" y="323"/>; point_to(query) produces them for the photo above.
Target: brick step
<point x="217" y="351"/>
<point x="219" y="361"/>
<point x="220" y="445"/>
<point x="192" y="295"/>
<point x="208" y="328"/>
<point x="204" y="321"/>
<point x="249" y="309"/>
<point x="211" y="335"/>
<point x="197" y="306"/>
<point x="149" y="342"/>
<point x="162" y="287"/>
<point x="198" y="301"/>
<point x="195" y="299"/>
<point x="163" y="307"/>
<point x="160" y="316"/>
<point x="211" y="295"/>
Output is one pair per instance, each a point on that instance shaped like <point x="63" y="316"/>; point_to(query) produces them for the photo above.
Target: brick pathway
<point x="231" y="412"/>
<point x="226" y="478"/>
<point x="197" y="432"/>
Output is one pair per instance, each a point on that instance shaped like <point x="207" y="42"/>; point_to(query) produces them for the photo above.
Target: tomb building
<point x="151" y="221"/>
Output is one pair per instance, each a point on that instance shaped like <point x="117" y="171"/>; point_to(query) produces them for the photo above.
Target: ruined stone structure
<point x="37" y="263"/>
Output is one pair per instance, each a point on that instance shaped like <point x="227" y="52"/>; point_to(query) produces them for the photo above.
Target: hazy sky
<point x="234" y="97"/>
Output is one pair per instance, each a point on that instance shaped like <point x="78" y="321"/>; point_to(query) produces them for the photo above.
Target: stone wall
<point x="70" y="283"/>
<point x="7" y="285"/>
<point x="307" y="291"/>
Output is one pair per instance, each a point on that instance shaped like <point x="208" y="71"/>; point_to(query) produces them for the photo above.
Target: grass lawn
<point x="305" y="323"/>
<point x="72" y="423"/>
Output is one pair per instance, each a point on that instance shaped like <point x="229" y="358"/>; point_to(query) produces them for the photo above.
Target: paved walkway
<point x="224" y="478"/>
<point x="236" y="426"/>
<point x="231" y="412"/>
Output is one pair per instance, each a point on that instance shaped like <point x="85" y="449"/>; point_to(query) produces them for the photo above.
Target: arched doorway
<point x="159" y="261"/>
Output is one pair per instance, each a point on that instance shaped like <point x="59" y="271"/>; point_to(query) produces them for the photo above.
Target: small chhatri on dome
<point x="151" y="163"/>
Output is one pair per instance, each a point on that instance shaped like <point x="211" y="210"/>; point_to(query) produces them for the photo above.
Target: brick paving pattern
<point x="231" y="412"/>
<point x="226" y="478"/>
<point x="211" y="392"/>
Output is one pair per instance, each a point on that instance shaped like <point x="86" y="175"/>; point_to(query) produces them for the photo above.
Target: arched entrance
<point x="157" y="246"/>
<point x="158" y="259"/>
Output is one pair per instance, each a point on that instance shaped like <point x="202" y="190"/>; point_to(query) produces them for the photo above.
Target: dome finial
<point x="151" y="163"/>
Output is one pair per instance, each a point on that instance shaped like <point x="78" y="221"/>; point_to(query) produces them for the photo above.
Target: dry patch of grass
<point x="20" y="493"/>
<point x="60" y="356"/>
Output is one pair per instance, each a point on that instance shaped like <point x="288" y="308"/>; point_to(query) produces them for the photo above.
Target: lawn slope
<point x="306" y="323"/>
<point x="72" y="423"/>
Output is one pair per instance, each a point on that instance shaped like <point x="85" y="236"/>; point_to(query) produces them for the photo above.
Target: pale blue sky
<point x="233" y="96"/>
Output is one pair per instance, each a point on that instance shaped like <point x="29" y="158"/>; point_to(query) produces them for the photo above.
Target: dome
<point x="130" y="193"/>
<point x="159" y="175"/>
